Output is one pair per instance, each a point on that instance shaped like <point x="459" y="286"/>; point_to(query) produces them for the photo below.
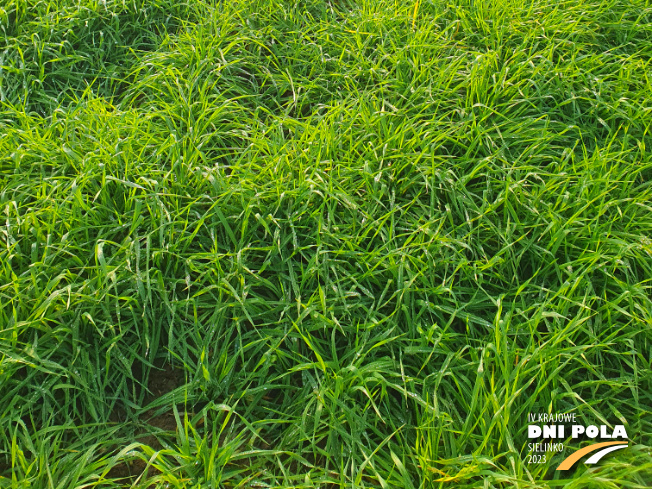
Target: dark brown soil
<point x="127" y="470"/>
<point x="162" y="380"/>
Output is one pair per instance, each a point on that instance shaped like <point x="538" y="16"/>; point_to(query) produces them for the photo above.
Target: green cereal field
<point x="325" y="244"/>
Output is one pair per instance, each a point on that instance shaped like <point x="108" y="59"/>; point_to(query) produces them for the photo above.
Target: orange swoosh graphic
<point x="571" y="459"/>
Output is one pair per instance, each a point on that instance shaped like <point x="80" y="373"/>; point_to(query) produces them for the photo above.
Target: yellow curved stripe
<point x="571" y="459"/>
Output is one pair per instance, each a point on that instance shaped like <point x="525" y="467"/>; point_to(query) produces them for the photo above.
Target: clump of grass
<point x="367" y="238"/>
